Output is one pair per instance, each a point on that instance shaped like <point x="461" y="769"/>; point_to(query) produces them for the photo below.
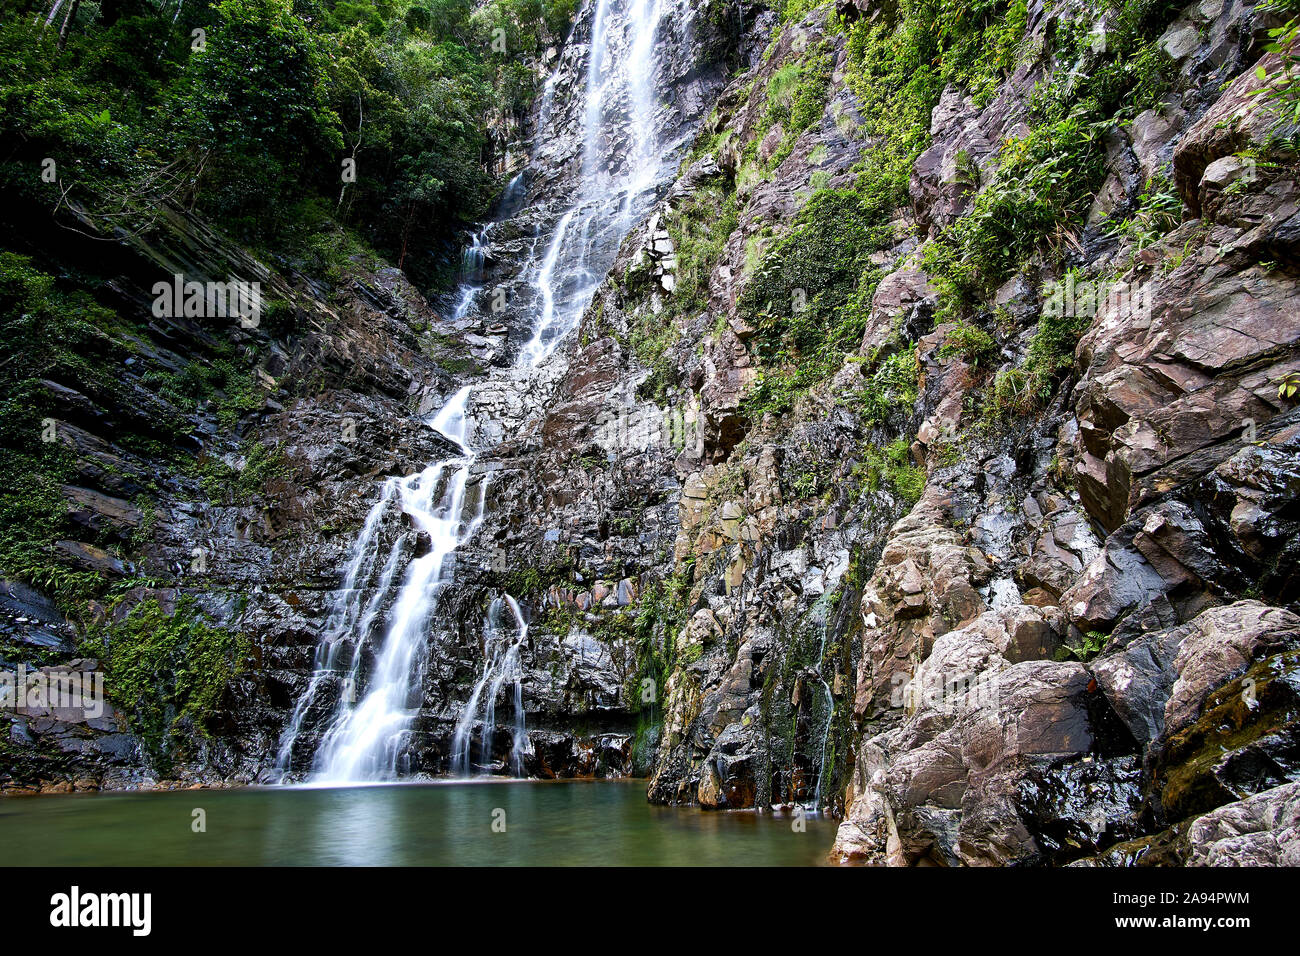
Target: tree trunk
<point x="67" y="22"/>
<point x="54" y="12"/>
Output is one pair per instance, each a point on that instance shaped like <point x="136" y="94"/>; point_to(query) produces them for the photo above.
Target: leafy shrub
<point x="892" y="385"/>
<point x="892" y="466"/>
<point x="700" y="229"/>
<point x="1160" y="210"/>
<point x="1282" y="88"/>
<point x="1044" y="182"/>
<point x="969" y="342"/>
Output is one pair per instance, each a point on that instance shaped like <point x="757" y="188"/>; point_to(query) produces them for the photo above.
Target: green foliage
<point x="1092" y="644"/>
<point x="1281" y="90"/>
<point x="892" y="466"/>
<point x="232" y="391"/>
<point x="663" y="605"/>
<point x="971" y="343"/>
<point x="1044" y="182"/>
<point x="899" y="65"/>
<point x="263" y="113"/>
<point x="650" y="343"/>
<point x="533" y="580"/>
<point x="792" y="11"/>
<point x="33" y="515"/>
<point x="810" y="296"/>
<point x="254" y="106"/>
<point x="796" y="98"/>
<point x="1159" y="212"/>
<point x="893" y="385"/>
<point x="700" y="229"/>
<point x="229" y="485"/>
<point x="1021" y="391"/>
<point x="661" y="613"/>
<point x="46" y="334"/>
<point x="168" y="672"/>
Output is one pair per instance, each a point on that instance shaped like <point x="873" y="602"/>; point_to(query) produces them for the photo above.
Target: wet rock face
<point x="980" y="676"/>
<point x="1046" y="763"/>
<point x="336" y="377"/>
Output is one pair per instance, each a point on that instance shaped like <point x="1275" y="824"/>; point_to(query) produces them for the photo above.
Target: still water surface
<point x="546" y="824"/>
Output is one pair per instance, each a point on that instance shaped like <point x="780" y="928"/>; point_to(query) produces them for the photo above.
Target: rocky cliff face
<point x="1006" y="580"/>
<point x="251" y="516"/>
<point x="992" y="644"/>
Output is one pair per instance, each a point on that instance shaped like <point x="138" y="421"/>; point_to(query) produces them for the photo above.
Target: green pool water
<point x="447" y="824"/>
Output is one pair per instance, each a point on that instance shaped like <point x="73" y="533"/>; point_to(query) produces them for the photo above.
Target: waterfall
<point x="622" y="163"/>
<point x="365" y="741"/>
<point x="830" y="713"/>
<point x="501" y="663"/>
<point x="536" y="348"/>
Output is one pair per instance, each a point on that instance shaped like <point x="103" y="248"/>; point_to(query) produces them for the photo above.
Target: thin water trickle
<point x="502" y="646"/>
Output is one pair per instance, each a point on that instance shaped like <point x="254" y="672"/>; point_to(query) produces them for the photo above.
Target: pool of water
<point x="585" y="823"/>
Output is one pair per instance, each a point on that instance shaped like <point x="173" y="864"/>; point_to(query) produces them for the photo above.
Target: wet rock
<point x="1221" y="644"/>
<point x="1246" y="739"/>
<point x="968" y="779"/>
<point x="1234" y="123"/>
<point x="1262" y="830"/>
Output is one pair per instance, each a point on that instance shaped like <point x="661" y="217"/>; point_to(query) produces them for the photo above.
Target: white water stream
<point x="622" y="162"/>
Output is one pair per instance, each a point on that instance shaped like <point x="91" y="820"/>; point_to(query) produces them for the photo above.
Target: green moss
<point x="532" y="580"/>
<point x="228" y="485"/>
<point x="168" y="672"/>
<point x="809" y="299"/>
<point x="1243" y="713"/>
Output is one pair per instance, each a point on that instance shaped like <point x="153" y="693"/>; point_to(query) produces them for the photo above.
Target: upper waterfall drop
<point x="606" y="185"/>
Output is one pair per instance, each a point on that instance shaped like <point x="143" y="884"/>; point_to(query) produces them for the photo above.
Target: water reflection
<point x="538" y="824"/>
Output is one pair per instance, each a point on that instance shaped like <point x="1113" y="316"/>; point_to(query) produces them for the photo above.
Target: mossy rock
<point x="1246" y="740"/>
<point x="1167" y="848"/>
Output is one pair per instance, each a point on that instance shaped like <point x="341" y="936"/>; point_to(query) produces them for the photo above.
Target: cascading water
<point x="501" y="663"/>
<point x="829" y="705"/>
<point x="622" y="163"/>
<point x="366" y="740"/>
